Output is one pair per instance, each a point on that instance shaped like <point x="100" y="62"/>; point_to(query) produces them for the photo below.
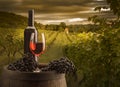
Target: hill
<point x="11" y="20"/>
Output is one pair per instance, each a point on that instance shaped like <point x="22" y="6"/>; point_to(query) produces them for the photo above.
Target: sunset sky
<point x="54" y="11"/>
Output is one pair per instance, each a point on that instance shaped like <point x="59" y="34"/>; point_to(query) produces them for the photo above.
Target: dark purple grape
<point x="25" y="64"/>
<point x="62" y="65"/>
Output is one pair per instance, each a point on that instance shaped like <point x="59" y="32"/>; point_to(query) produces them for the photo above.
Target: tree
<point x="97" y="20"/>
<point x="62" y="26"/>
<point x="115" y="7"/>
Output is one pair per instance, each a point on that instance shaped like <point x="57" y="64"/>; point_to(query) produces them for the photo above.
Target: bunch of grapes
<point x="28" y="64"/>
<point x="62" y="65"/>
<point x="25" y="64"/>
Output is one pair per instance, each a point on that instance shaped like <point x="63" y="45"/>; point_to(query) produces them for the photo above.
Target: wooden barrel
<point x="32" y="79"/>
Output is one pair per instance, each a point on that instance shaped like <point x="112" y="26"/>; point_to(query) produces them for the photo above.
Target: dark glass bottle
<point x="28" y="31"/>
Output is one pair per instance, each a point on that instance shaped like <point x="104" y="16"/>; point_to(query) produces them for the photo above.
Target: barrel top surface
<point x="31" y="75"/>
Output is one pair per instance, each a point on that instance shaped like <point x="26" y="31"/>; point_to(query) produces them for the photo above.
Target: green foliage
<point x="114" y="6"/>
<point x="83" y="28"/>
<point x="11" y="20"/>
<point x="62" y="26"/>
<point x="101" y="21"/>
<point x="97" y="57"/>
<point x="9" y="44"/>
<point x="54" y="27"/>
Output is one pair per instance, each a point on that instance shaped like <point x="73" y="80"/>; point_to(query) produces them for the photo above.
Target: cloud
<point x="46" y="6"/>
<point x="52" y="10"/>
<point x="76" y="19"/>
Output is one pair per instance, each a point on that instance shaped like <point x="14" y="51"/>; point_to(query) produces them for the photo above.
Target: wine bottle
<point x="28" y="31"/>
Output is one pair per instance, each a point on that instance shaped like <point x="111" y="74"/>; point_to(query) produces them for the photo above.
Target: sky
<point x="55" y="11"/>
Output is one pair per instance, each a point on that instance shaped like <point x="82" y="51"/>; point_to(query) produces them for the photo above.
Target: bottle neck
<point x="31" y="18"/>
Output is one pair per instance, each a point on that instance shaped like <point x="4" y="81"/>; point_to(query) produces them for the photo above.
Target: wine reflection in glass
<point x="37" y="47"/>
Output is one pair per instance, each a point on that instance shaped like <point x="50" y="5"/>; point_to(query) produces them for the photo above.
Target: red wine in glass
<point x="38" y="47"/>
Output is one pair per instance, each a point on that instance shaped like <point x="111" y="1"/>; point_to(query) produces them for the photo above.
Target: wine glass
<point x="37" y="47"/>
